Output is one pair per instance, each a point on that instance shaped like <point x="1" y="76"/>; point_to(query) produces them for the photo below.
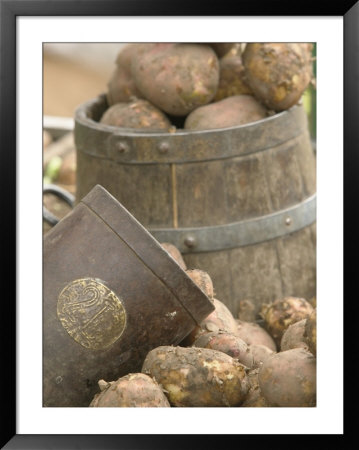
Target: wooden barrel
<point x="239" y="202"/>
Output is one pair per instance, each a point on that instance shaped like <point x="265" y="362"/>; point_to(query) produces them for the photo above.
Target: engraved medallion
<point x="91" y="313"/>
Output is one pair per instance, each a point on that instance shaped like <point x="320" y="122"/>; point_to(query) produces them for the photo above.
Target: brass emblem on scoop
<point x="91" y="313"/>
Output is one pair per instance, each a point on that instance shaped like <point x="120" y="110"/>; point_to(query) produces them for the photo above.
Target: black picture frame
<point x="9" y="10"/>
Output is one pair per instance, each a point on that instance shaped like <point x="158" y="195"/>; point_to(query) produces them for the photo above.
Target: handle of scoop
<point x="61" y="193"/>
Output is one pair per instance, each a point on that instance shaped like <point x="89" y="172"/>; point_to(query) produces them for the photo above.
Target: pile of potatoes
<point x="227" y="361"/>
<point x="200" y="86"/>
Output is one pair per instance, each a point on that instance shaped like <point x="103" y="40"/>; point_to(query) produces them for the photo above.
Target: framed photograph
<point x="26" y="27"/>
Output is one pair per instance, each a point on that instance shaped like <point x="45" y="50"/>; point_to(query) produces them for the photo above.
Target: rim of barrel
<point x="134" y="146"/>
<point x="81" y="116"/>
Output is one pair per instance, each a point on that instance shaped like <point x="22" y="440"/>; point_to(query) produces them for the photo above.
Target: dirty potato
<point x="254" y="397"/>
<point x="253" y="334"/>
<point x="197" y="376"/>
<point x="310" y="332"/>
<point x="282" y="313"/>
<point x="289" y="379"/>
<point x="219" y="319"/>
<point x="203" y="280"/>
<point x="231" y="75"/>
<point x="121" y="86"/>
<point x="278" y="73"/>
<point x="227" y="343"/>
<point x="260" y="353"/>
<point x="247" y="310"/>
<point x="138" y="113"/>
<point x="229" y="112"/>
<point x="222" y="48"/>
<point x="293" y="337"/>
<point x="132" y="390"/>
<point x="177" y="78"/>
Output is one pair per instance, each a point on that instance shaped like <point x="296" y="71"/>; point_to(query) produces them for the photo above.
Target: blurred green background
<point x="310" y="99"/>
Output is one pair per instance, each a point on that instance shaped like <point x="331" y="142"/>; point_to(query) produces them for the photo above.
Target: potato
<point x="227" y="343"/>
<point x="121" y="86"/>
<point x="175" y="253"/>
<point x="254" y="334"/>
<point x="289" y="378"/>
<point x="260" y="353"/>
<point x="293" y="337"/>
<point x="254" y="397"/>
<point x="229" y="112"/>
<point x="220" y="319"/>
<point x="197" y="376"/>
<point x="177" y="78"/>
<point x="222" y="48"/>
<point x="278" y="73"/>
<point x="231" y="75"/>
<point x="203" y="280"/>
<point x="138" y="113"/>
<point x="310" y="332"/>
<point x="134" y="389"/>
<point x="281" y="313"/>
<point x="247" y="311"/>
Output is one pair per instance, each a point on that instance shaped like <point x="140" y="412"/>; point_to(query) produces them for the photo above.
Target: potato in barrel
<point x="121" y="86"/>
<point x="229" y="112"/>
<point x="177" y="78"/>
<point x="278" y="73"/>
<point x="137" y="113"/>
<point x="232" y="75"/>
